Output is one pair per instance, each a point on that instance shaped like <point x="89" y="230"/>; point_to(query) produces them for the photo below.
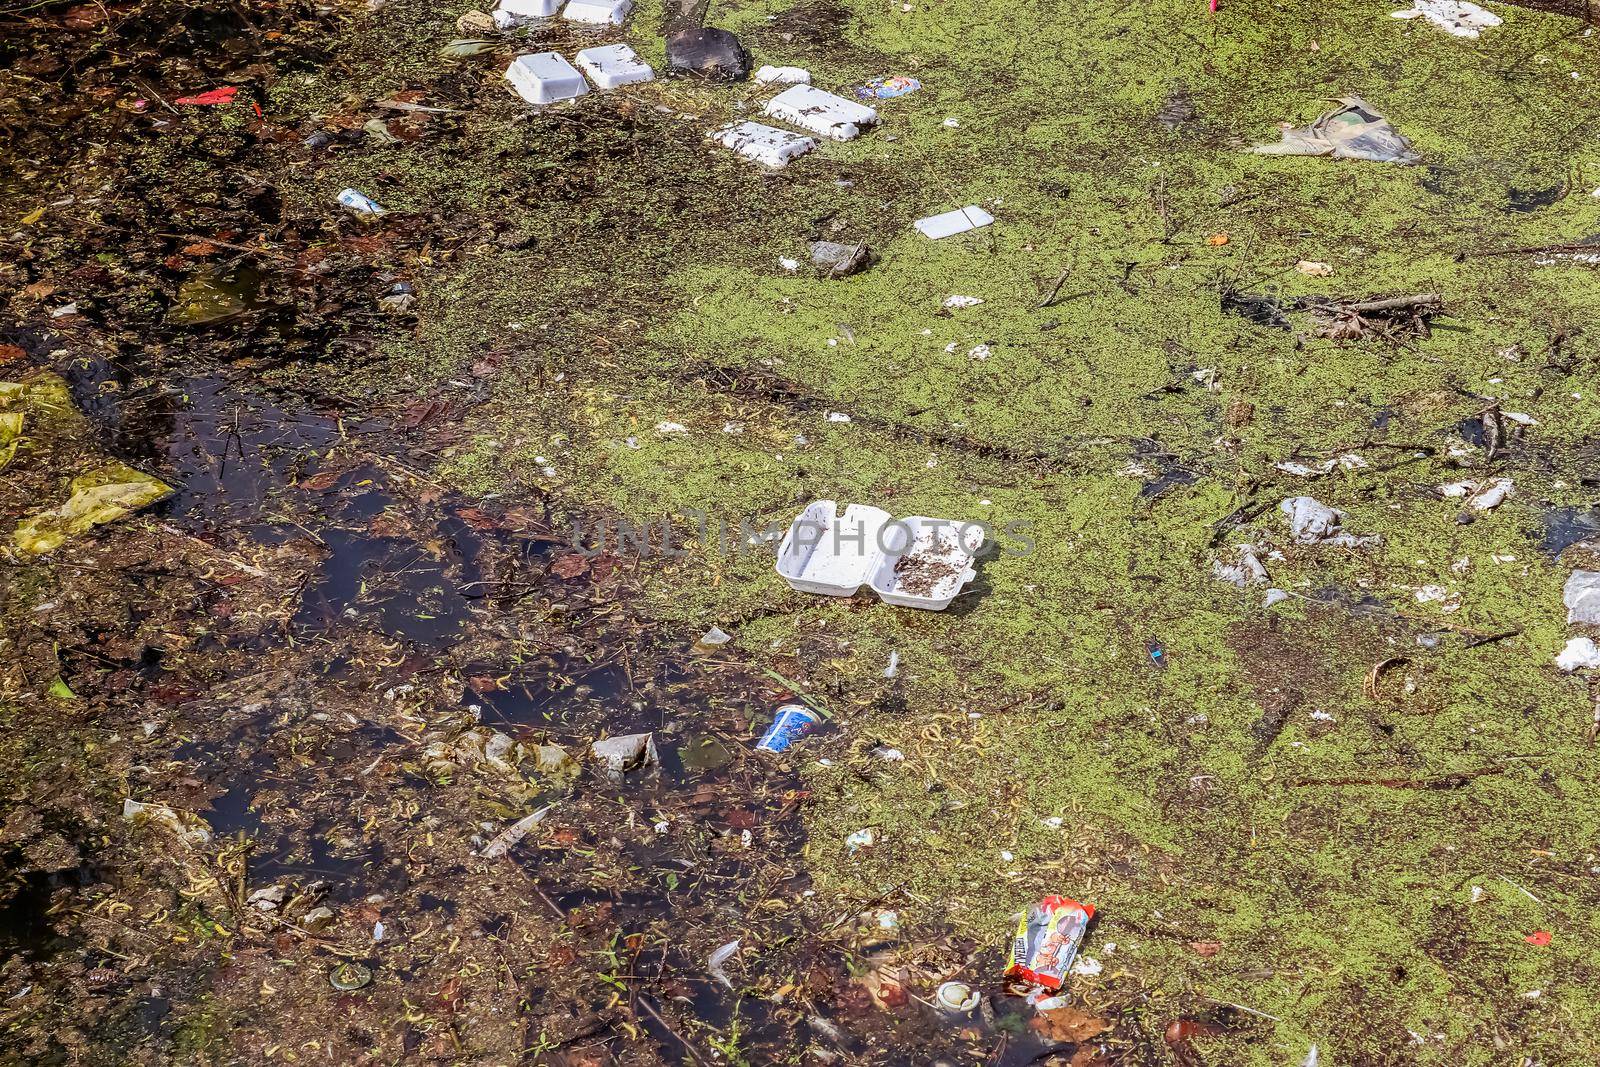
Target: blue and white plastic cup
<point x="790" y="724"/>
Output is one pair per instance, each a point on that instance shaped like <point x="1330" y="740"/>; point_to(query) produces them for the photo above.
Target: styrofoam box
<point x="764" y="144"/>
<point x="508" y="13"/>
<point x="599" y="12"/>
<point x="821" y="112"/>
<point x="545" y="77"/>
<point x="833" y="555"/>
<point x="613" y="65"/>
<point x="953" y="222"/>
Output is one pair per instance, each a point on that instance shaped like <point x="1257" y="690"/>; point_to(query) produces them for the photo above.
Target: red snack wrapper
<point x="1047" y="941"/>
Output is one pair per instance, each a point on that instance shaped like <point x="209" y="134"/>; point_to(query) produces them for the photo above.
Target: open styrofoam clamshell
<point x="915" y="562"/>
<point x="509" y="13"/>
<point x="821" y="112"/>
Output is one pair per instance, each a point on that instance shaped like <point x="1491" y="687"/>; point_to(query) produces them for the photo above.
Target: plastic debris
<point x="1049" y="934"/>
<point x="359" y="202"/>
<point x="210" y="98"/>
<point x="509" y="13"/>
<point x="1581" y="595"/>
<point x="671" y="429"/>
<point x="767" y="145"/>
<point x="1455" y="17"/>
<point x="860" y="839"/>
<point x="894" y="665"/>
<point x="770" y="75"/>
<point x="508" y="838"/>
<point x="1351" y="131"/>
<point x="268" y="899"/>
<point x="1580" y="653"/>
<point x="713" y="638"/>
<point x="789" y="724"/>
<point x="103" y="495"/>
<point x="821" y="112"/>
<point x="838" y="260"/>
<point x="545" y="78"/>
<point x="618" y="755"/>
<point x="1248" y="571"/>
<point x="598" y="12"/>
<point x="1480" y="496"/>
<point x="956" y="999"/>
<point x="956" y="302"/>
<point x="1273" y="596"/>
<point x="350" y="976"/>
<point x="1313" y="523"/>
<point x="916" y="562"/>
<point x="951" y="223"/>
<point x="887" y="87"/>
<point x="189" y="828"/>
<point x="720" y="956"/>
<point x="611" y="66"/>
<point x="708" y="53"/>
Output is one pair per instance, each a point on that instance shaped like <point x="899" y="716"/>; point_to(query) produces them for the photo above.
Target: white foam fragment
<point x="545" y="77"/>
<point x="770" y="75"/>
<point x="821" y="112"/>
<point x="1580" y="653"/>
<point x="951" y="223"/>
<point x="767" y="145"/>
<point x="598" y="12"/>
<point x="1455" y="17"/>
<point x="612" y="65"/>
<point x="509" y="13"/>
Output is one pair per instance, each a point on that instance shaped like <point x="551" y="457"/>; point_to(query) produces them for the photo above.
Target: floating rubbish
<point x="790" y="724"/>
<point x="1580" y="653"/>
<point x="611" y="66"/>
<point x="717" y="958"/>
<point x="770" y="75"/>
<point x="210" y="98"/>
<point x="956" y="999"/>
<point x="1350" y="131"/>
<point x="915" y="562"/>
<point x="1312" y="523"/>
<point x="545" y="77"/>
<point x="509" y="13"/>
<point x="507" y="839"/>
<point x="956" y="302"/>
<point x="189" y="828"/>
<point x="598" y="12"/>
<point x="103" y="495"/>
<point x="708" y="53"/>
<point x="838" y="260"/>
<point x="1314" y="269"/>
<point x="887" y="87"/>
<point x="821" y="112"/>
<point x="618" y="755"/>
<point x="1480" y="496"/>
<point x="1248" y="571"/>
<point x="1455" y="17"/>
<point x="350" y="976"/>
<point x="860" y="839"/>
<point x="951" y="223"/>
<point x="359" y="202"/>
<point x="767" y="145"/>
<point x="894" y="665"/>
<point x="1048" y="936"/>
<point x="711" y="640"/>
<point x="1581" y="595"/>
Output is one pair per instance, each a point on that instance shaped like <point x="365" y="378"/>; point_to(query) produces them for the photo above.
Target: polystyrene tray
<point x="915" y="562"/>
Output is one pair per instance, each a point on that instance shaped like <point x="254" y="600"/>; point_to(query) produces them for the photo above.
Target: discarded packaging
<point x="1455" y="17"/>
<point x="610" y="66"/>
<point x="359" y="202"/>
<point x="1047" y="941"/>
<point x="1580" y="653"/>
<point x="103" y="495"/>
<point x="1314" y="523"/>
<point x="767" y="145"/>
<point x="720" y="956"/>
<point x="770" y="75"/>
<point x="887" y="87"/>
<point x="1581" y="595"/>
<point x="598" y="12"/>
<point x="790" y="724"/>
<point x="951" y="223"/>
<point x="860" y="839"/>
<point x="1481" y="496"/>
<point x="189" y="828"/>
<point x="916" y="562"/>
<point x="838" y="260"/>
<point x="509" y="13"/>
<point x="508" y="838"/>
<point x="618" y="755"/>
<point x="821" y="112"/>
<point x="956" y="998"/>
<point x="1351" y="131"/>
<point x="707" y="53"/>
<point x="545" y="77"/>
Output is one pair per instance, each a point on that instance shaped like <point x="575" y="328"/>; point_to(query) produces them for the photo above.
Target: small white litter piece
<point x="356" y="201"/>
<point x="509" y="13"/>
<point x="611" y="66"/>
<point x="770" y="75"/>
<point x="1580" y="652"/>
<point x="951" y="223"/>
<point x="914" y="562"/>
<point x="1481" y="496"/>
<point x="598" y="12"/>
<point x="956" y="302"/>
<point x="767" y="145"/>
<point x="821" y="112"/>
<point x="1581" y="595"/>
<point x="1248" y="571"/>
<point x="1314" y="523"/>
<point x="545" y="77"/>
<point x="1455" y="17"/>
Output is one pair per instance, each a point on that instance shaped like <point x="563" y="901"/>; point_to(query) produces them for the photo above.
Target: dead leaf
<point x="1067" y="1023"/>
<point x="569" y="566"/>
<point x="1206" y="948"/>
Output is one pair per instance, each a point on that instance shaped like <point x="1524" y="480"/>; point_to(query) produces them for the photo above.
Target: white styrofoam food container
<point x="613" y="65"/>
<point x="915" y="562"/>
<point x="764" y="144"/>
<point x="821" y="112"/>
<point x="545" y="77"/>
<point x="953" y="222"/>
<point x="598" y="12"/>
<point x="509" y="13"/>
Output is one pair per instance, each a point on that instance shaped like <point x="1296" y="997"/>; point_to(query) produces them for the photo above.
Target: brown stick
<point x="1449" y="781"/>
